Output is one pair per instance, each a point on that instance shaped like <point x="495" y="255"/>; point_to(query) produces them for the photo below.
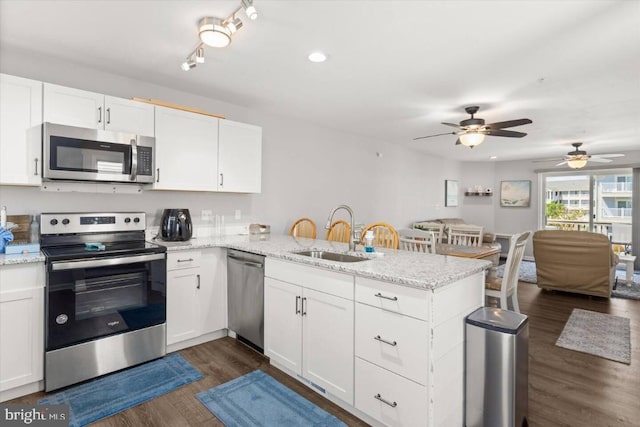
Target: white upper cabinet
<point x="186" y="151"/>
<point x="20" y="110"/>
<point x="75" y="107"/>
<point x="240" y="157"/>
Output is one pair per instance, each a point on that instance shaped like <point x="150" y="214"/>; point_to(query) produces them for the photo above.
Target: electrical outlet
<point x="206" y="215"/>
<point x="238" y="214"/>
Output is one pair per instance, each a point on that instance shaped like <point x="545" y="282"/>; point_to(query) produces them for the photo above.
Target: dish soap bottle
<point x="368" y="241"/>
<point x="34" y="230"/>
<point x="3" y="217"/>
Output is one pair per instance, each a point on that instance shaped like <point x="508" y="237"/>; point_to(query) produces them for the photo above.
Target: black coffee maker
<point x="176" y="225"/>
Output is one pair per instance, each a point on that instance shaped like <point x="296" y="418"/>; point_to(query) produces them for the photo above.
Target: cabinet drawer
<point x="18" y="277"/>
<point x="393" y="341"/>
<point x="183" y="259"/>
<point x="329" y="282"/>
<point x="407" y="402"/>
<point x="397" y="298"/>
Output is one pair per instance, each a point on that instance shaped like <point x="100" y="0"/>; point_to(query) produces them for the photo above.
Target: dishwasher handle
<point x="245" y="262"/>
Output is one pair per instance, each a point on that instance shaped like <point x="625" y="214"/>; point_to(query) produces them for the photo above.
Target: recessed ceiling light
<point x="317" y="57"/>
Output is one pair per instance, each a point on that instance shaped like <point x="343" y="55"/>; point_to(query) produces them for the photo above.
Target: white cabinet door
<point x="20" y="110"/>
<point x="212" y="295"/>
<point x="21" y="325"/>
<point x="283" y="323"/>
<point x="182" y="303"/>
<point x="327" y="331"/>
<point x="240" y="157"/>
<point x="186" y="151"/>
<point x="73" y="107"/>
<point x="125" y="115"/>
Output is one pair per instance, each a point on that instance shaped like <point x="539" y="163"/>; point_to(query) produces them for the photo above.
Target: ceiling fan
<point x="472" y="131"/>
<point x="577" y="158"/>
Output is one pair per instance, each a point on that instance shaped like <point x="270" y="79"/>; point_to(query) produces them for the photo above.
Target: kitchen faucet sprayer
<point x="354" y="239"/>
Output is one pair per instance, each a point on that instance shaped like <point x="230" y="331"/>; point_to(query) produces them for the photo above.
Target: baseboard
<point x="22" y="390"/>
<point x="196" y="341"/>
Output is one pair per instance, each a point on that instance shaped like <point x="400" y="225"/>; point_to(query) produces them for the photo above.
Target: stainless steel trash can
<point x="496" y="368"/>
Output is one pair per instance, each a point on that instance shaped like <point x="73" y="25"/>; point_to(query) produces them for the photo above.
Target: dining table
<point x="476" y="252"/>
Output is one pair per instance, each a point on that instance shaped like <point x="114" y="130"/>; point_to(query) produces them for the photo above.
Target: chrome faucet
<point x="354" y="239"/>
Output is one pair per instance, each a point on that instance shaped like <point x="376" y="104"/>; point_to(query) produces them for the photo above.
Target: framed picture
<point x="450" y="193"/>
<point x="515" y="194"/>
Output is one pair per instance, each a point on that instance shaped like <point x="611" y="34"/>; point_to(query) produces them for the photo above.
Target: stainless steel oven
<point x="81" y="154"/>
<point x="105" y="295"/>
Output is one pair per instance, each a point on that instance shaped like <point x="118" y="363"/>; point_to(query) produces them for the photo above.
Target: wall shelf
<point x="476" y="193"/>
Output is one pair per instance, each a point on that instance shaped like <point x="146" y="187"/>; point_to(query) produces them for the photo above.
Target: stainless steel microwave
<point x="81" y="154"/>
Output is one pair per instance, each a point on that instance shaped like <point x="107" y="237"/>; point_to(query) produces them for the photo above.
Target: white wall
<point x="307" y="169"/>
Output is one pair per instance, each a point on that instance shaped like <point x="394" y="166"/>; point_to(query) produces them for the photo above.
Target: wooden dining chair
<point x="436" y="227"/>
<point x="304" y="227"/>
<point x="339" y="231"/>
<point x="465" y="235"/>
<point x="384" y="235"/>
<point x="417" y="240"/>
<point x="506" y="287"/>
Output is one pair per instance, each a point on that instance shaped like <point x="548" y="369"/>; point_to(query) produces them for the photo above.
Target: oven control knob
<point x="62" y="319"/>
<point x="136" y="220"/>
<point x="65" y="221"/>
<point x="53" y="222"/>
<point x="127" y="220"/>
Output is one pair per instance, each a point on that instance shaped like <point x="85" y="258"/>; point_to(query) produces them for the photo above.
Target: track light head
<point x="249" y="9"/>
<point x="188" y="64"/>
<point x="199" y="54"/>
<point x="233" y="24"/>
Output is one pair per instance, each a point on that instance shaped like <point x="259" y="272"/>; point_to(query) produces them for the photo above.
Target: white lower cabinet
<point x="390" y="398"/>
<point x="21" y="328"/>
<point x="196" y="295"/>
<point x="307" y="331"/>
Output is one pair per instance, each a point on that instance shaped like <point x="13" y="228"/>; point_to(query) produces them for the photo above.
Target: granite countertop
<point x="405" y="268"/>
<point x="20" y="258"/>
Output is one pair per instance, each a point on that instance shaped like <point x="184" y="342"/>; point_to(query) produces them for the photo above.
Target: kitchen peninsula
<point x="383" y="338"/>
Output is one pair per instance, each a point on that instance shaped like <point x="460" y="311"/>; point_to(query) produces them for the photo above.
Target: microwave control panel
<point x="145" y="161"/>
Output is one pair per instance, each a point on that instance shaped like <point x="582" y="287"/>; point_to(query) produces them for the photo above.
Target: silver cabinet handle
<point x="198" y="286"/>
<point x="383" y="400"/>
<point x="185" y="260"/>
<point x="297" y="309"/>
<point x="221" y="180"/>
<point x="35" y="172"/>
<point x="158" y="175"/>
<point x="99" y="114"/>
<point x="379" y="295"/>
<point x="304" y="309"/>
<point x="109" y="115"/>
<point x="391" y="343"/>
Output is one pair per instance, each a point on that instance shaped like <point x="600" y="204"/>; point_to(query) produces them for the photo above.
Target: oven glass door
<point x="93" y="157"/>
<point x="89" y="299"/>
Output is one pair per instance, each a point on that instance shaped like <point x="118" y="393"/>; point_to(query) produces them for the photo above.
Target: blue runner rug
<point x="258" y="400"/>
<point x="114" y="393"/>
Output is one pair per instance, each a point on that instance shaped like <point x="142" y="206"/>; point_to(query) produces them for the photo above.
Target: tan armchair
<point x="574" y="261"/>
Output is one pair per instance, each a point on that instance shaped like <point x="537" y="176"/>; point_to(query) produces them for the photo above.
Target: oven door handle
<point x="103" y="262"/>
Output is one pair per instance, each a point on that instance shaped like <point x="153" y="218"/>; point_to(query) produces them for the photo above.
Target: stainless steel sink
<point x="332" y="256"/>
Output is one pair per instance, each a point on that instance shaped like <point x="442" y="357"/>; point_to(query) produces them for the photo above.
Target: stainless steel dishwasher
<point x="245" y="280"/>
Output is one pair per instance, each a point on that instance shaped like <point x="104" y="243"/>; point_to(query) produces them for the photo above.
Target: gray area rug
<point x="600" y="334"/>
<point x="622" y="290"/>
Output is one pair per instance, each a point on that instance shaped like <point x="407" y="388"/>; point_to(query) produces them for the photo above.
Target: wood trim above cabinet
<point x="176" y="106"/>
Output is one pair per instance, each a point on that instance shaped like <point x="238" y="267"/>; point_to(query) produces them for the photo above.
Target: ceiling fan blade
<point x="599" y="160"/>
<point x="562" y="163"/>
<point x="508" y="124"/>
<point x="507" y="133"/>
<point x="431" y="136"/>
<point x="545" y="160"/>
<point x="610" y="156"/>
<point x="453" y="125"/>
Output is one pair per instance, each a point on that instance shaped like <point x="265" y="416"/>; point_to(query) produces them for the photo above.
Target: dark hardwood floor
<point x="566" y="388"/>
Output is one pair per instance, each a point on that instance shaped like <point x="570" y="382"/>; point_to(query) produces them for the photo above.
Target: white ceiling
<point x="396" y="69"/>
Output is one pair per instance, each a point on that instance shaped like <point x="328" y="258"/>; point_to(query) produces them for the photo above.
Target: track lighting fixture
<point x="216" y="32"/>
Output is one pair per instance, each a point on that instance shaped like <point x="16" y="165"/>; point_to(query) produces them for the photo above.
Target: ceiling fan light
<point x="471" y="139"/>
<point x="213" y="33"/>
<point x="577" y="163"/>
